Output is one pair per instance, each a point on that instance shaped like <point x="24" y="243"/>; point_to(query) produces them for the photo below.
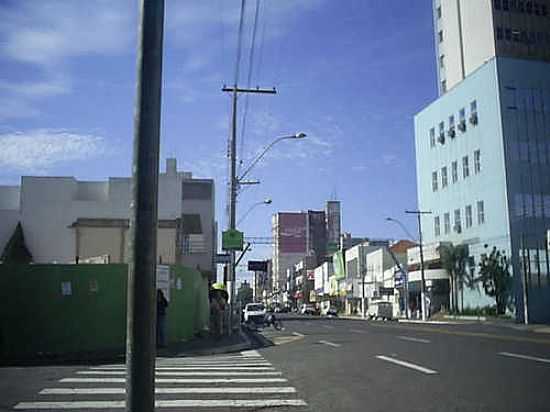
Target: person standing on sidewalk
<point x="162" y="304"/>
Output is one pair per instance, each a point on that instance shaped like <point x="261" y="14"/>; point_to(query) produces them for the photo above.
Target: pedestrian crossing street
<point x="233" y="381"/>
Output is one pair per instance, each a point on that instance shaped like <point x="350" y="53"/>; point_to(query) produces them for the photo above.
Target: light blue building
<point x="483" y="154"/>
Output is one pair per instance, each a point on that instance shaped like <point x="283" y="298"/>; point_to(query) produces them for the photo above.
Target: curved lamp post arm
<point x="261" y="155"/>
<point x="402" y="226"/>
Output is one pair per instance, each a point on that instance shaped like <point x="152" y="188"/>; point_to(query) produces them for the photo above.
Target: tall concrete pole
<point x="418" y="213"/>
<point x="141" y="301"/>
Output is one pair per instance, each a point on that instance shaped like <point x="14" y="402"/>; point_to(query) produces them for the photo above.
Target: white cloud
<point x="38" y="150"/>
<point x="16" y="108"/>
<point x="47" y="32"/>
<point x="39" y="89"/>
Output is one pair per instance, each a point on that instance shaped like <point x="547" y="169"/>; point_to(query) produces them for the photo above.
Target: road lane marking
<point x="516" y="355"/>
<point x="212" y="390"/>
<point x="327" y="326"/>
<point x="184" y="373"/>
<point x="357" y="331"/>
<point x="436" y="329"/>
<point x="407" y="365"/>
<point x="176" y="380"/>
<point x="326" y="342"/>
<point x="177" y="403"/>
<point x="298" y="334"/>
<point x="251" y="354"/>
<point x="419" y="340"/>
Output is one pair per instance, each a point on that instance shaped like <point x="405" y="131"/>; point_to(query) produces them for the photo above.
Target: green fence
<point x="55" y="310"/>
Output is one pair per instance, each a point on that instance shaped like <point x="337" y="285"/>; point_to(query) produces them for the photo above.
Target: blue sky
<point x="351" y="74"/>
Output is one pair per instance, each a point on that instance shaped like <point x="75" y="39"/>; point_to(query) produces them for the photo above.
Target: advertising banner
<point x="292" y="232"/>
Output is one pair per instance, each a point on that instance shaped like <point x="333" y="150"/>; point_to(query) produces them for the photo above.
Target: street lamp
<point x="406" y="280"/>
<point x="266" y="201"/>
<point x="299" y="135"/>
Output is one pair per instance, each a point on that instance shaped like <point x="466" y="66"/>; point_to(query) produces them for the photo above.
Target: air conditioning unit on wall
<point x="462" y="125"/>
<point x="473" y="118"/>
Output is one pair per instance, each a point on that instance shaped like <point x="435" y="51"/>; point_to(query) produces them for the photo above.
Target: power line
<point x="249" y="76"/>
<point x="239" y="43"/>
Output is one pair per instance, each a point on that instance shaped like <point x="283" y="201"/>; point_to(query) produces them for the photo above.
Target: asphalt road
<point x="353" y="365"/>
<point x="317" y="364"/>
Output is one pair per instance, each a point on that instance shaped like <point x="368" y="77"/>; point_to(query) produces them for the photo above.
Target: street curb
<point x="464" y="317"/>
<point x="427" y="322"/>
<point x="238" y="347"/>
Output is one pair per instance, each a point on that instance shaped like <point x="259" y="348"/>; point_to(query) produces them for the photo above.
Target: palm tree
<point x="454" y="260"/>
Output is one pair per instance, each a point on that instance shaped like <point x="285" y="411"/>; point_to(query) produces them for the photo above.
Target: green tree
<point x="16" y="250"/>
<point x="244" y="294"/>
<point x="495" y="277"/>
<point x="454" y="260"/>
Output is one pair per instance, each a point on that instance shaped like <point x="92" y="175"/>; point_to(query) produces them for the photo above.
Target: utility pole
<point x="141" y="305"/>
<point x="419" y="213"/>
<point x="233" y="180"/>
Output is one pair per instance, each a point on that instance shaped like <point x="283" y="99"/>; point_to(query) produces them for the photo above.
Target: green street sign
<point x="232" y="240"/>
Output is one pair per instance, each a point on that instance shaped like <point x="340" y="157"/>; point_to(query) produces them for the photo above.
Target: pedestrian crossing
<point x="220" y="382"/>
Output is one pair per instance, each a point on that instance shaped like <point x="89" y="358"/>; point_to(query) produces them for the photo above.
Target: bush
<point x="482" y="311"/>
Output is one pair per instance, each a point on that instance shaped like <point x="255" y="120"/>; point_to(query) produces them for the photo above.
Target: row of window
<point x="451" y="131"/>
<point x="468" y="218"/>
<point x="522" y="36"/>
<point x="454" y="171"/>
<point x="520" y="6"/>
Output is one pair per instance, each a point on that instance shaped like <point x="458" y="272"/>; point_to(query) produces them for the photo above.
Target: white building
<point x="469" y="33"/>
<point x="65" y="220"/>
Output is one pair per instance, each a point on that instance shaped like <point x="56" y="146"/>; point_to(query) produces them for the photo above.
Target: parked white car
<point x="254" y="312"/>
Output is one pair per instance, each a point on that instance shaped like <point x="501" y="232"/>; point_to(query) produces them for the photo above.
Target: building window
<point x="454" y="171"/>
<point x="439" y="12"/>
<point x="529" y="7"/>
<point x="443" y="86"/>
<point x="521" y="6"/>
<point x="544" y="10"/>
<point x="458" y="223"/>
<point x="440" y="36"/>
<point x="462" y="120"/>
<point x="469" y="216"/>
<point x="434" y="181"/>
<point x="505" y="5"/>
<point x="442" y="61"/>
<point x="473" y="106"/>
<point x="465" y="167"/>
<point x="447" y="223"/>
<point x="497" y="5"/>
<point x="432" y="137"/>
<point x="515" y="35"/>
<point x="437" y="226"/>
<point x="480" y="213"/>
<point x="193" y="244"/>
<point x="537" y="9"/>
<point x="500" y="33"/>
<point x="477" y="162"/>
<point x="444" y="180"/>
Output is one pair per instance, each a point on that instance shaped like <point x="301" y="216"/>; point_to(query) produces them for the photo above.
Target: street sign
<point x="232" y="240"/>
<point x="386" y="291"/>
<point x="222" y="258"/>
<point x="257" y="265"/>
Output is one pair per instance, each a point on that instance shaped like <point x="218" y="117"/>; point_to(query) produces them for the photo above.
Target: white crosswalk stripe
<point x="238" y="381"/>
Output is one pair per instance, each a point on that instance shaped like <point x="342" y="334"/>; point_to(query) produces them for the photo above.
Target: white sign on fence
<point x="163" y="280"/>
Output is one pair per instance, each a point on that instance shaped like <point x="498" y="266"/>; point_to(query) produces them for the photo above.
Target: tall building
<point x="470" y="33"/>
<point x="295" y="236"/>
<point x="333" y="217"/>
<point x="483" y="147"/>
